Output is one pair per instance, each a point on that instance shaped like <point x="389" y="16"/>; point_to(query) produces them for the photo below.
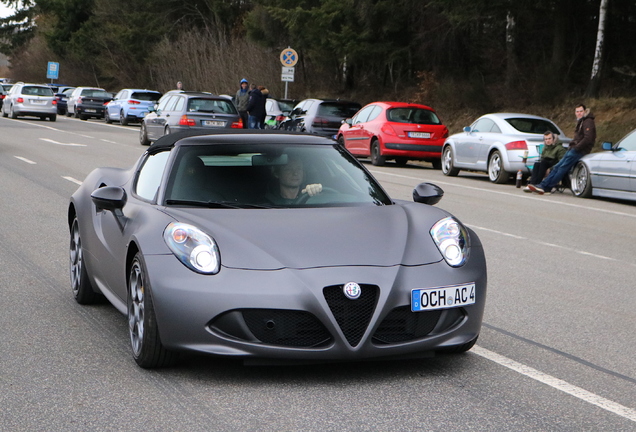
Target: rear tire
<point x="447" y="164"/>
<point x="496" y="172"/>
<point x="147" y="349"/>
<point x="580" y="182"/>
<point x="12" y="113"/>
<point x="376" y="154"/>
<point x="53" y="117"/>
<point x="401" y="161"/>
<point x="437" y="164"/>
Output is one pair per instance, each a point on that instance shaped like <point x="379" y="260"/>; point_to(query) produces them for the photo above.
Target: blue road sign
<point x="53" y="70"/>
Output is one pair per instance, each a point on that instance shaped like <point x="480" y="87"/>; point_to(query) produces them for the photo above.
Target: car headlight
<point x="194" y="248"/>
<point x="451" y="239"/>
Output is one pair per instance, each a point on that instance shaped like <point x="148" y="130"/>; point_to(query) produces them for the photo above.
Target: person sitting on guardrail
<point x="584" y="138"/>
<point x="551" y="153"/>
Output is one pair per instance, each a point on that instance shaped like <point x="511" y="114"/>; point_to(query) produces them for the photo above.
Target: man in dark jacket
<point x="584" y="138"/>
<point x="256" y="109"/>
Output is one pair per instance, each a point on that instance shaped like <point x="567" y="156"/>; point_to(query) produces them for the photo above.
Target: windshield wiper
<point x="216" y="204"/>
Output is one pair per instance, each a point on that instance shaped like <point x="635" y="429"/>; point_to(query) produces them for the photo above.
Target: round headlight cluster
<point x="194" y="248"/>
<point x="451" y="239"/>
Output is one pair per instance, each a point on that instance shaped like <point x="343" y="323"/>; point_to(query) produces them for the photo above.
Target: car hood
<point x="270" y="239"/>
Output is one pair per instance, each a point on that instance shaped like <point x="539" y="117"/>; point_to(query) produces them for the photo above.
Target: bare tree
<point x="595" y="79"/>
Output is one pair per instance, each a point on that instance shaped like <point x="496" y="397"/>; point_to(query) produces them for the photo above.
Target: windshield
<point x="269" y="175"/>
<point x="338" y="109"/>
<point x="531" y="125"/>
<point x="413" y="115"/>
<point x="146" y="96"/>
<point x="37" y="91"/>
<point x="217" y="106"/>
<point x="96" y="93"/>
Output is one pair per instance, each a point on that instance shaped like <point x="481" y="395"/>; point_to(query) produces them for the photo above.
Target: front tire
<point x="496" y="172"/>
<point x="143" y="135"/>
<point x="107" y="118"/>
<point x="122" y="119"/>
<point x="580" y="182"/>
<point x="448" y="167"/>
<point x="147" y="349"/>
<point x="376" y="154"/>
<point x="83" y="291"/>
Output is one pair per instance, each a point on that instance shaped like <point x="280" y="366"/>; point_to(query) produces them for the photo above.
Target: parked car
<point x="497" y="143"/>
<point x="88" y="102"/>
<point x="6" y="87"/>
<point x="130" y="105"/>
<point x="610" y="173"/>
<point x="62" y="100"/>
<point x="30" y="100"/>
<point x="187" y="244"/>
<point x="3" y="94"/>
<point x="395" y="130"/>
<point x="180" y="110"/>
<point x="320" y="116"/>
<point x="278" y="111"/>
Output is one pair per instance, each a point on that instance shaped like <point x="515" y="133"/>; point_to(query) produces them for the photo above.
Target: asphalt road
<point x="556" y="353"/>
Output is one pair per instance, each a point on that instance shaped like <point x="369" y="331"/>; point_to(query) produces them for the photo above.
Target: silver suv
<point x="30" y="100"/>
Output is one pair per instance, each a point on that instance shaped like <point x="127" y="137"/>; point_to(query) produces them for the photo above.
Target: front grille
<point x="352" y="316"/>
<point x="286" y="327"/>
<point x="402" y="325"/>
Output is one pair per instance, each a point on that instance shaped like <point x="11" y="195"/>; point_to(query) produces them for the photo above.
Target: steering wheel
<point x="304" y="197"/>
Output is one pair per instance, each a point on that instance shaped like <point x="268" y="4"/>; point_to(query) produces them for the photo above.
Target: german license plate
<point x="38" y="102"/>
<point x="90" y="110"/>
<point x="213" y="123"/>
<point x="419" y="135"/>
<point x="442" y="298"/>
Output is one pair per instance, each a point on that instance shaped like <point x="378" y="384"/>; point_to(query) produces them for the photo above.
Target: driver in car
<point x="290" y="179"/>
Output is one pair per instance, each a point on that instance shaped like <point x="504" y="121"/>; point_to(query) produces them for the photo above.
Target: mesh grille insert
<point x="402" y="325"/>
<point x="286" y="327"/>
<point x="352" y="316"/>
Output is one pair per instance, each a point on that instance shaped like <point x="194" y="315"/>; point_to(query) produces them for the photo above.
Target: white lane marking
<point x="29" y="161"/>
<point x="35" y="124"/>
<point x="542" y="243"/>
<point x="62" y="144"/>
<point x="572" y="390"/>
<point x="108" y="141"/>
<point x="516" y="195"/>
<point x="71" y="179"/>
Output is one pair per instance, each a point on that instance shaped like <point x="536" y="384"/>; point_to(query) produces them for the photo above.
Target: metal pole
<point x="286" y="82"/>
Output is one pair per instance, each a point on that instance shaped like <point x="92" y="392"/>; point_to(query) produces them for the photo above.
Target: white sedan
<point x="497" y="144"/>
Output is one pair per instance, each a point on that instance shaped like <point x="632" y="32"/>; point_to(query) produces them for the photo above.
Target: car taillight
<point x="517" y="145"/>
<point x="2" y="96"/>
<point x="186" y="121"/>
<point x="237" y="124"/>
<point x="54" y="102"/>
<point x="20" y="100"/>
<point x="79" y="100"/>
<point x="280" y="118"/>
<point x="320" y="122"/>
<point x="388" y="129"/>
<point x="133" y="102"/>
<point x="445" y="134"/>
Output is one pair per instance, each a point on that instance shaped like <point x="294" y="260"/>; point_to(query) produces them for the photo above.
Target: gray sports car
<point x="272" y="247"/>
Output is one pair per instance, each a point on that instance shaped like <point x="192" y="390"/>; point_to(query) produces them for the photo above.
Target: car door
<point x="114" y="106"/>
<point x="155" y="121"/>
<point x="354" y="135"/>
<point x="469" y="145"/>
<point x="617" y="168"/>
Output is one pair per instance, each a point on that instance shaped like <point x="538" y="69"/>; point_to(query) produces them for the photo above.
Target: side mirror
<point x="467" y="129"/>
<point x="607" y="145"/>
<point x="109" y="198"/>
<point x="348" y="121"/>
<point x="152" y="108"/>
<point x="427" y="193"/>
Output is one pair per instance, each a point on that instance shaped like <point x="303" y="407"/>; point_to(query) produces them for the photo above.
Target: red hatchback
<point x="395" y="130"/>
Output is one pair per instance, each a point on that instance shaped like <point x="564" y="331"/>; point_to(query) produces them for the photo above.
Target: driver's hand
<point x="312" y="189"/>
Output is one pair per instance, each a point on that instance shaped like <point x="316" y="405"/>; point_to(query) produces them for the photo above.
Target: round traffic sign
<point x="289" y="57"/>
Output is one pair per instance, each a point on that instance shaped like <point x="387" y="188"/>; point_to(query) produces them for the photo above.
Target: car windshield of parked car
<point x="413" y="115"/>
<point x="257" y="176"/>
<point x="37" y="91"/>
<point x="217" y="106"/>
<point x="146" y="96"/>
<point x="531" y="125"/>
<point x="628" y="143"/>
<point x="338" y="109"/>
<point x="286" y="106"/>
<point x="96" y="93"/>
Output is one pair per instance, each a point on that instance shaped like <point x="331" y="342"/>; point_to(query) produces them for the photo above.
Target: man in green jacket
<point x="552" y="153"/>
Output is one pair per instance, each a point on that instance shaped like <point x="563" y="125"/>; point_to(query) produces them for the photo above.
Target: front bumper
<point x="299" y="315"/>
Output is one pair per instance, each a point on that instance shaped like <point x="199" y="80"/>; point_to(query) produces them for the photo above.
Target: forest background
<point x="464" y="58"/>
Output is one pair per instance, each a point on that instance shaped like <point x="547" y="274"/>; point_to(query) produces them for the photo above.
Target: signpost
<point x="288" y="58"/>
<point x="53" y="71"/>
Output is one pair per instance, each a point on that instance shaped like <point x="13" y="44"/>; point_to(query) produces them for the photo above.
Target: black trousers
<point x="539" y="169"/>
